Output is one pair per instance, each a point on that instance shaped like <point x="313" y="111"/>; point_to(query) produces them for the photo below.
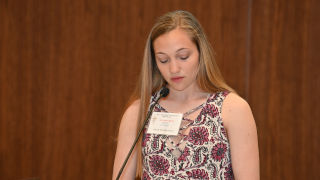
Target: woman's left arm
<point x="242" y="134"/>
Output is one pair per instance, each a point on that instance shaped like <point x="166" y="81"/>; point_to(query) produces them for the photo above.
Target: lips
<point x="176" y="79"/>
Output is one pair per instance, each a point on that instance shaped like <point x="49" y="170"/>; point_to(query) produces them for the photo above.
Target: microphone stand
<point x="163" y="93"/>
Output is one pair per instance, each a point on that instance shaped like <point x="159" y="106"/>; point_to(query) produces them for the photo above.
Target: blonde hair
<point x="209" y="78"/>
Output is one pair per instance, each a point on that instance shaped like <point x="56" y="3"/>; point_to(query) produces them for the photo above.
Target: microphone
<point x="163" y="93"/>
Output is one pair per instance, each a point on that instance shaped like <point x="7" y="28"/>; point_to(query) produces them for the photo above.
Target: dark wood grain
<point x="67" y="69"/>
<point x="284" y="82"/>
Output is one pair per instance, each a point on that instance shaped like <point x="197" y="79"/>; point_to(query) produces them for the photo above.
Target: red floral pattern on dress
<point x="205" y="150"/>
<point x="184" y="155"/>
<point x="145" y="176"/>
<point x="228" y="174"/>
<point x="218" y="151"/>
<point x="211" y="110"/>
<point x="198" y="174"/>
<point x="198" y="135"/>
<point x="159" y="165"/>
<point x="224" y="132"/>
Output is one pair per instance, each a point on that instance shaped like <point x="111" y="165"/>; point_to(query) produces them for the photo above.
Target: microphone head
<point x="164" y="92"/>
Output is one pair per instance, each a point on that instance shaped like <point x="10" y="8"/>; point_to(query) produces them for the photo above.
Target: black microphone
<point x="163" y="93"/>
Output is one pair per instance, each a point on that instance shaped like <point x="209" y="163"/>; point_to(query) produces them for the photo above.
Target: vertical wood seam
<point x="248" y="51"/>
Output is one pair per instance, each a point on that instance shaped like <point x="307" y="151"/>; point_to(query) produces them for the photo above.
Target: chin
<point x="181" y="86"/>
<point x="178" y="88"/>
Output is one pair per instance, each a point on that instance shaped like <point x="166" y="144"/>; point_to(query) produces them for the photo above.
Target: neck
<point x="187" y="94"/>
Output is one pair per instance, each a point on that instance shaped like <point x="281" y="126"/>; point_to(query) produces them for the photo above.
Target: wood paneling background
<point x="285" y="85"/>
<point x="67" y="69"/>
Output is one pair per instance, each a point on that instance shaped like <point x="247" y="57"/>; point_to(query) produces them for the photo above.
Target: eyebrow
<point x="176" y="51"/>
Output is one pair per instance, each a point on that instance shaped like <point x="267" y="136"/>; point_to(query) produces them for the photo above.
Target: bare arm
<point x="127" y="134"/>
<point x="242" y="134"/>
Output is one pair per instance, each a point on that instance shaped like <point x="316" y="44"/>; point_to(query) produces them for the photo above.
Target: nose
<point x="174" y="67"/>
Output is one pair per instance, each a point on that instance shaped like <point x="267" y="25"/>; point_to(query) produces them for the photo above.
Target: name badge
<point x="164" y="123"/>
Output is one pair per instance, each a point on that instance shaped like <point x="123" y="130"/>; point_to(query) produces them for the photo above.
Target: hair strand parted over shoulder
<point x="209" y="78"/>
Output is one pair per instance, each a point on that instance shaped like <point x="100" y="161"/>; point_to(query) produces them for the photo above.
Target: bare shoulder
<point x="242" y="134"/>
<point x="235" y="109"/>
<point x="235" y="102"/>
<point x="133" y="108"/>
<point x="126" y="136"/>
<point x="130" y="116"/>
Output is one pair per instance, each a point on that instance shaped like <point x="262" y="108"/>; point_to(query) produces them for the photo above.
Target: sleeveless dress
<point x="202" y="153"/>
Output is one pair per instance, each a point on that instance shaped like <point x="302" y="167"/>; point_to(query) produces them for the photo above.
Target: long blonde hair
<point x="209" y="78"/>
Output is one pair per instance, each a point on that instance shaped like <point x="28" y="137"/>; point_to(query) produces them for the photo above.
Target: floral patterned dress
<point x="202" y="153"/>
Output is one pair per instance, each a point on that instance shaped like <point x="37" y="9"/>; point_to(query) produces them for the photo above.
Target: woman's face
<point x="177" y="58"/>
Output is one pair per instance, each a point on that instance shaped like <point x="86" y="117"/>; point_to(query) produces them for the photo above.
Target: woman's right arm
<point x="127" y="134"/>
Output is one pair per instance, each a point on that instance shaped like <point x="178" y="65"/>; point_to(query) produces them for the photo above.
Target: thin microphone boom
<point x="163" y="93"/>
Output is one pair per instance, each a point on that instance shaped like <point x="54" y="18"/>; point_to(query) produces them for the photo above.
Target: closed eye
<point x="163" y="60"/>
<point x="184" y="57"/>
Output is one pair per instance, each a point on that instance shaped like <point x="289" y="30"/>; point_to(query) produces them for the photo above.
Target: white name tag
<point x="164" y="123"/>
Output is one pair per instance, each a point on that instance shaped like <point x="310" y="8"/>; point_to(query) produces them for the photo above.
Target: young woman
<point x="217" y="137"/>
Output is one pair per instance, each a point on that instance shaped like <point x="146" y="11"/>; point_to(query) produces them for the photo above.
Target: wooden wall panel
<point x="284" y="86"/>
<point x="67" y="69"/>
